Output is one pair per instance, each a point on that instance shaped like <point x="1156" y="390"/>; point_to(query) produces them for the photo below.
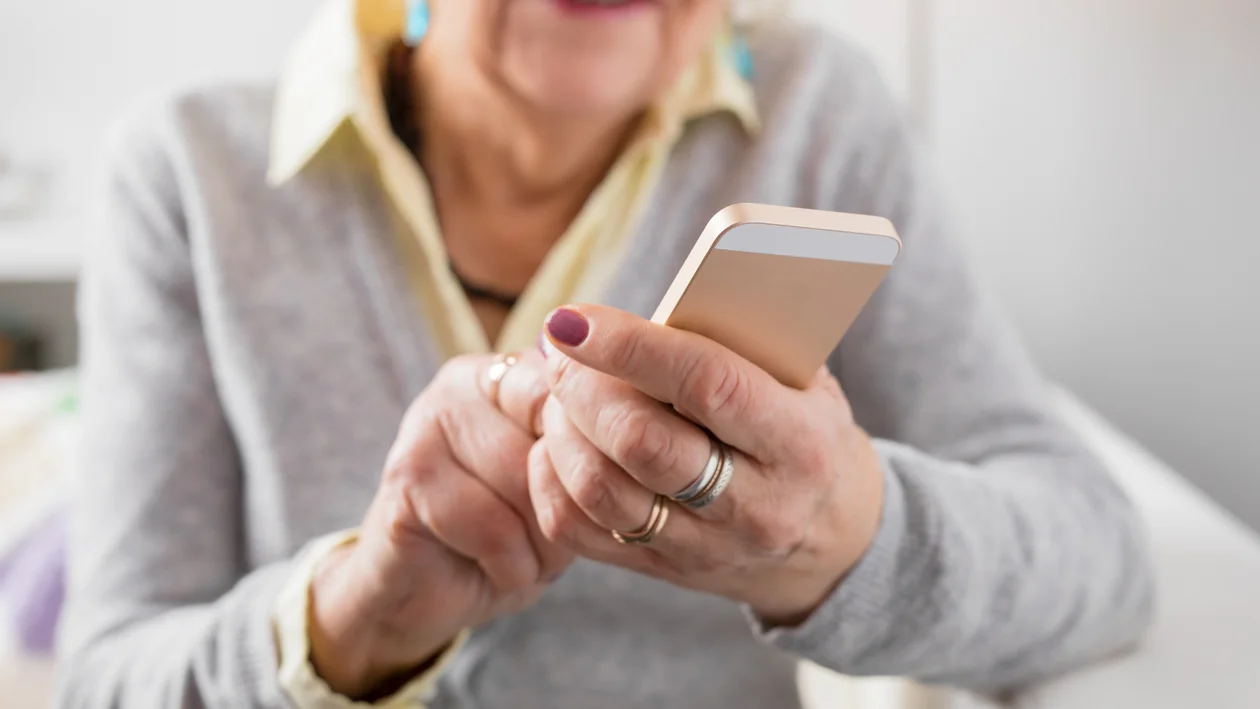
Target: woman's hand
<point x="804" y="500"/>
<point x="450" y="540"/>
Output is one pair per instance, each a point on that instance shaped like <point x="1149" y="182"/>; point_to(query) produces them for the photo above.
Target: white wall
<point x="67" y="67"/>
<point x="1103" y="160"/>
<point x="1104" y="157"/>
<point x="883" y="27"/>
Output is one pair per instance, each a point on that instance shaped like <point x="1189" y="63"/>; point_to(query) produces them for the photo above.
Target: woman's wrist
<point x="353" y="649"/>
<point x="834" y="548"/>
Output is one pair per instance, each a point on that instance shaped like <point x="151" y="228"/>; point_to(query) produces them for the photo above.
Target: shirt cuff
<point x="298" y="679"/>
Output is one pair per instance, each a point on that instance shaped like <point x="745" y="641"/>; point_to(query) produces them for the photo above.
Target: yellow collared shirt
<point x="332" y="80"/>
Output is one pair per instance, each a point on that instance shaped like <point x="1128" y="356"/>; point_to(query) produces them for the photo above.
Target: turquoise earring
<point x="742" y="56"/>
<point x="417" y="25"/>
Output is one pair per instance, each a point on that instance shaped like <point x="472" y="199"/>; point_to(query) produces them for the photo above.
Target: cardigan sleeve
<point x="1005" y="553"/>
<point x="161" y="609"/>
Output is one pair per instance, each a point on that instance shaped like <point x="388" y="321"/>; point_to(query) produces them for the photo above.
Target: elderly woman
<point x="308" y="481"/>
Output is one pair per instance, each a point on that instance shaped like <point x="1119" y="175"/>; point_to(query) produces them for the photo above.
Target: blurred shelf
<point x="40" y="248"/>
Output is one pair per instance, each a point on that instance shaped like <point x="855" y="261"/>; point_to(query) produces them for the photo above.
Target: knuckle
<point x="776" y="534"/>
<point x="639" y="440"/>
<point x="813" y="458"/>
<point x="401" y="524"/>
<point x="436" y="519"/>
<point x="593" y="491"/>
<point x="496" y="538"/>
<point x="694" y="570"/>
<point x="701" y="565"/>
<point x="668" y="568"/>
<point x="710" y="565"/>
<point x="447" y="425"/>
<point x="622" y="352"/>
<point x="714" y="386"/>
<point x="414" y="417"/>
<point x="396" y="460"/>
<point x="427" y="416"/>
<point x="407" y="466"/>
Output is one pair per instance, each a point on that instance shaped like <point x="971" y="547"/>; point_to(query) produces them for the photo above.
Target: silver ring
<point x="705" y="478"/>
<point x="726" y="470"/>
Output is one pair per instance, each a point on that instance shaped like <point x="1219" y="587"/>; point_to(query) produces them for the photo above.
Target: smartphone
<point x="780" y="286"/>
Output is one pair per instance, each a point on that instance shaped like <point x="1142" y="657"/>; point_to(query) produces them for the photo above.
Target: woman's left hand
<point x="630" y="405"/>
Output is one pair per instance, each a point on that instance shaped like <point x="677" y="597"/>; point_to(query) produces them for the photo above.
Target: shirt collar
<point x="323" y="85"/>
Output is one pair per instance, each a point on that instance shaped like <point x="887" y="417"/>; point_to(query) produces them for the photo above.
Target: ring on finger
<point x="706" y="476"/>
<point x="717" y="482"/>
<point x="652" y="528"/>
<point x="497" y="371"/>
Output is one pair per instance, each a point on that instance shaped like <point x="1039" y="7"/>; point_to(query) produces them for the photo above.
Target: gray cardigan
<point x="249" y="351"/>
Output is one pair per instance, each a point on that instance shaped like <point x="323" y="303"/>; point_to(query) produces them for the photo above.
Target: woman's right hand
<point x="450" y="540"/>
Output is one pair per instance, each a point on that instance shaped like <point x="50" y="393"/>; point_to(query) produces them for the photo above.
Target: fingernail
<point x="545" y="346"/>
<point x="568" y="327"/>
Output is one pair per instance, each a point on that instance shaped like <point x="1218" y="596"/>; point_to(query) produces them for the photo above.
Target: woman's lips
<point x="603" y="6"/>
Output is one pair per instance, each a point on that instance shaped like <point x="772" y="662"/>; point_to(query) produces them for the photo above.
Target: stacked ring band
<point x="705" y="478"/>
<point x="712" y="482"/>
<point x="656" y="522"/>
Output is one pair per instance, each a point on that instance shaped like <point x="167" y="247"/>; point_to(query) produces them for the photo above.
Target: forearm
<point x="986" y="576"/>
<point x="221" y="654"/>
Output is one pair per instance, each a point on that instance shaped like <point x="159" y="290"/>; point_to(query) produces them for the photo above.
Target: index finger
<point x="521" y="390"/>
<point x="736" y="400"/>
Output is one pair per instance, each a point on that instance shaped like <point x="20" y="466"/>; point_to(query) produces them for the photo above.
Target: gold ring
<point x="498" y="370"/>
<point x="650" y="530"/>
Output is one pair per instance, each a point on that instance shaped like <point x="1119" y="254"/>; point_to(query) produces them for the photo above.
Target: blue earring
<point x="417" y="25"/>
<point x="742" y="56"/>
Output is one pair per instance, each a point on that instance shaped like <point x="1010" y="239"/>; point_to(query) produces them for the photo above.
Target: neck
<point x="486" y="144"/>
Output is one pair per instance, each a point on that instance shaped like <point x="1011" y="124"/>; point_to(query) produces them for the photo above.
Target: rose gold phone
<point x="778" y="285"/>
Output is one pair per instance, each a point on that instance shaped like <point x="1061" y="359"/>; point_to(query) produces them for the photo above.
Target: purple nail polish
<point x="568" y="327"/>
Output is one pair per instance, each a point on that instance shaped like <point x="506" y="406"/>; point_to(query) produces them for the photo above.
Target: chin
<point x="600" y="86"/>
<point x="586" y="62"/>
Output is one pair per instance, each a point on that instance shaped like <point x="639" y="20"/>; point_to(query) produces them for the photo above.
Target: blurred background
<point x="1101" y="158"/>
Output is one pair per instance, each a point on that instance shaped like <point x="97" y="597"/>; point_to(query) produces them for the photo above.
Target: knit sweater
<point x="248" y="353"/>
